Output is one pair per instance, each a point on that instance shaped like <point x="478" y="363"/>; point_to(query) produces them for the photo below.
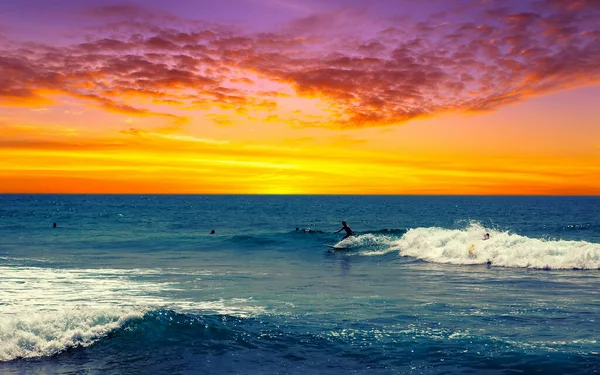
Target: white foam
<point x="36" y="334"/>
<point x="502" y="249"/>
<point x="44" y="311"/>
<point x="368" y="244"/>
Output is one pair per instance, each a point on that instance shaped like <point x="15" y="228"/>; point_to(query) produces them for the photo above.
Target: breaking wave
<point x="466" y="246"/>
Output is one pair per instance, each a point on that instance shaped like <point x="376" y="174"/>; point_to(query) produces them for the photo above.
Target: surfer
<point x="349" y="231"/>
<point x="472" y="250"/>
<point x="486" y="236"/>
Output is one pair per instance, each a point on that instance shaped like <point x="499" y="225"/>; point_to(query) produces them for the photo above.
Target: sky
<point x="300" y="97"/>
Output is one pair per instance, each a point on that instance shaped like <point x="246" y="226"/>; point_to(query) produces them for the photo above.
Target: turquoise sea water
<point x="131" y="284"/>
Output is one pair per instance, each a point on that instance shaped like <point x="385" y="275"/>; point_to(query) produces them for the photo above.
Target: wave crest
<point x="49" y="333"/>
<point x="466" y="246"/>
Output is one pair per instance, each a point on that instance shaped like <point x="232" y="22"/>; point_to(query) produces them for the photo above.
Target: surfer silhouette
<point x="349" y="231"/>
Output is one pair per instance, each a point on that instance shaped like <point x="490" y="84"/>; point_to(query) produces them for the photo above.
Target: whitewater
<point x="467" y="246"/>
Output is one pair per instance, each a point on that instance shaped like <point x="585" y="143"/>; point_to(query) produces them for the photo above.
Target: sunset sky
<point x="300" y="96"/>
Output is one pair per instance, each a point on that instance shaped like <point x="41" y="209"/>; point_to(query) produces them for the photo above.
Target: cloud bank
<point x="471" y="57"/>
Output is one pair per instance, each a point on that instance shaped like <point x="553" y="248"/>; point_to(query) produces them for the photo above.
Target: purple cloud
<point x="371" y="73"/>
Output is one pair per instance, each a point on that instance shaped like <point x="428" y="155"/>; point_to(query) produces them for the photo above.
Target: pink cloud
<point x="118" y="10"/>
<point x="372" y="75"/>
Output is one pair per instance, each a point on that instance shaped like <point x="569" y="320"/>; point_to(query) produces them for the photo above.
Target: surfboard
<point x="337" y="248"/>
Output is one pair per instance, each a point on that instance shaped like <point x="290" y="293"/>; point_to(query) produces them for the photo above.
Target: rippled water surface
<point x="131" y="284"/>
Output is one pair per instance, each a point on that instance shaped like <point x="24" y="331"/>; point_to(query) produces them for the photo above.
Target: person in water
<point x="349" y="231"/>
<point x="486" y="236"/>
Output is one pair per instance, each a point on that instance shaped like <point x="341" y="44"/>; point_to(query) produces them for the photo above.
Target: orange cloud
<point x="380" y="75"/>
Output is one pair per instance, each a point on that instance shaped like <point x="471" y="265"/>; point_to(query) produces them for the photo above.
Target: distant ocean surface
<point x="135" y="284"/>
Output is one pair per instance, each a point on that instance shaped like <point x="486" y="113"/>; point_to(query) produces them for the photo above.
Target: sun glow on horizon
<point x="161" y="102"/>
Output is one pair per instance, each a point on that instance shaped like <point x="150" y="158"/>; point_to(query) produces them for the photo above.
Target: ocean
<point x="136" y="284"/>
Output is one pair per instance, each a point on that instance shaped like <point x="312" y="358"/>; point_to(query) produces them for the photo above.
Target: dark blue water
<point x="136" y="284"/>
